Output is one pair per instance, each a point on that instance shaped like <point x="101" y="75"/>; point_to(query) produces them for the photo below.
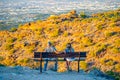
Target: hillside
<point x="98" y="34"/>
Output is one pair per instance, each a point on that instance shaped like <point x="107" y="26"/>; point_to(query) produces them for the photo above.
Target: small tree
<point x="83" y="15"/>
<point x="13" y="29"/>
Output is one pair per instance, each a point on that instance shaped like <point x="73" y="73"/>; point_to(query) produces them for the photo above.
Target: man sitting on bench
<point x="50" y="48"/>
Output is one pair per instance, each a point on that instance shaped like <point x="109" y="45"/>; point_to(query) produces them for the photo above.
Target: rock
<point x="96" y="72"/>
<point x="99" y="73"/>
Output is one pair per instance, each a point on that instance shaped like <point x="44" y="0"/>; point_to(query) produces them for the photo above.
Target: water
<point x="21" y="11"/>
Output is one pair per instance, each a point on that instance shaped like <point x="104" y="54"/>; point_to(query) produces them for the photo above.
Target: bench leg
<point x="78" y="66"/>
<point x="41" y="66"/>
<point x="56" y="65"/>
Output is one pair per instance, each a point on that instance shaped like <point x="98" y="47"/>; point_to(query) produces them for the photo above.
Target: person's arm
<point x="65" y="51"/>
<point x="45" y="50"/>
<point x="55" y="50"/>
<point x="72" y="50"/>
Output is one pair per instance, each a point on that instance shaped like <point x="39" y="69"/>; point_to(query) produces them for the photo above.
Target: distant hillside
<point x="98" y="34"/>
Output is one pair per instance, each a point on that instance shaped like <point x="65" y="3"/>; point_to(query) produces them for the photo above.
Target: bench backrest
<point x="62" y="55"/>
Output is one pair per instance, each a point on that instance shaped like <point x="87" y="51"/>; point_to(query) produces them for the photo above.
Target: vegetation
<point x="13" y="29"/>
<point x="83" y="15"/>
<point x="115" y="75"/>
<point x="9" y="46"/>
<point x="99" y="35"/>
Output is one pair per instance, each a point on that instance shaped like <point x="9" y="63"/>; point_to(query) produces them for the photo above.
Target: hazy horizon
<point x="21" y="11"/>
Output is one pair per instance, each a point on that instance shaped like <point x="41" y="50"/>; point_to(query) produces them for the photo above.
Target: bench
<point x="40" y="56"/>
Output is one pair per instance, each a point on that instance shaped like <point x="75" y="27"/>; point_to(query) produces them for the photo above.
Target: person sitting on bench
<point x="50" y="48"/>
<point x="68" y="60"/>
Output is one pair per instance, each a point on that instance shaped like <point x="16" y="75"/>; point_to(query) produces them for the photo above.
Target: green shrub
<point x="112" y="24"/>
<point x="12" y="51"/>
<point x="100" y="27"/>
<point x="2" y="65"/>
<point x="115" y="75"/>
<point x="83" y="15"/>
<point x="38" y="31"/>
<point x="87" y="41"/>
<point x="83" y="65"/>
<point x="65" y="34"/>
<point x="102" y="61"/>
<point x="31" y="50"/>
<point x="55" y="33"/>
<point x="19" y="38"/>
<point x="1" y="58"/>
<point x="10" y="40"/>
<point x="9" y="46"/>
<point x="13" y="29"/>
<point x="8" y="61"/>
<point x="20" y="25"/>
<point x="116" y="50"/>
<point x="95" y="68"/>
<point x="101" y="48"/>
<point x="109" y="34"/>
<point x="110" y="63"/>
<point x="117" y="67"/>
<point x="53" y="17"/>
<point x="117" y="42"/>
<point x="23" y="62"/>
<point x="93" y="54"/>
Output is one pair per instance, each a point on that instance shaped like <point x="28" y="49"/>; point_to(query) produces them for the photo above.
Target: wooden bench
<point x="39" y="56"/>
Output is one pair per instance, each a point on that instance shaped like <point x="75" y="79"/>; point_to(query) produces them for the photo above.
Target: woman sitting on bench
<point x="68" y="60"/>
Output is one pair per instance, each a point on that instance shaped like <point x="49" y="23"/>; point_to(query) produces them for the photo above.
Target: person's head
<point x="49" y="44"/>
<point x="69" y="45"/>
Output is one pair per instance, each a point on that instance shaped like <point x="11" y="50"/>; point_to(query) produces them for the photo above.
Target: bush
<point x="115" y="75"/>
<point x="10" y="40"/>
<point x="93" y="54"/>
<point x="9" y="46"/>
<point x="109" y="34"/>
<point x="97" y="50"/>
<point x="112" y="24"/>
<point x="65" y="34"/>
<point x="115" y="50"/>
<point x="100" y="27"/>
<point x="2" y="65"/>
<point x="117" y="67"/>
<point x="23" y="62"/>
<point x="8" y="61"/>
<point x="117" y="42"/>
<point x="55" y="33"/>
<point x="83" y="65"/>
<point x="13" y="29"/>
<point x="53" y="17"/>
<point x="86" y="41"/>
<point x="39" y="31"/>
<point x="110" y="63"/>
<point x="12" y="51"/>
<point x="1" y="58"/>
<point x="31" y="49"/>
<point x="83" y="15"/>
<point x="101" y="49"/>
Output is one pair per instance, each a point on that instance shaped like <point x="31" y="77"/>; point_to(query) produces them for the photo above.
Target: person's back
<point x="68" y="50"/>
<point x="50" y="48"/>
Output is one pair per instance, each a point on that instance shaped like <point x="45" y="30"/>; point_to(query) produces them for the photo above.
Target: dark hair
<point x="69" y="45"/>
<point x="50" y="43"/>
